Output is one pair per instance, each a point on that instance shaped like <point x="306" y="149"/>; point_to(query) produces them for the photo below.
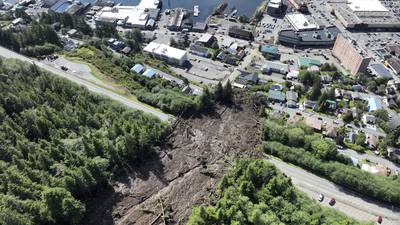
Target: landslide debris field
<point x="185" y="171"/>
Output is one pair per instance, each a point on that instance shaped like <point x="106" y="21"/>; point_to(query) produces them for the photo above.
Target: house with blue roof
<point x="137" y="68"/>
<point x="374" y="104"/>
<point x="150" y="73"/>
<point x="270" y="51"/>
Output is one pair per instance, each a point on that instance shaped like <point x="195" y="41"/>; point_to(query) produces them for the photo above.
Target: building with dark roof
<point x="247" y="78"/>
<point x="237" y="32"/>
<point x="393" y="64"/>
<point x="199" y="50"/>
<point x="394" y="50"/>
<point x="323" y="37"/>
<point x="380" y="70"/>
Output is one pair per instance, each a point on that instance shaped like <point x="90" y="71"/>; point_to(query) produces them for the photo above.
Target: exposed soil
<point x="164" y="189"/>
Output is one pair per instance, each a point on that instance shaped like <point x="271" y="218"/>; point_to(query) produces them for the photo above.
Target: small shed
<point x="150" y="73"/>
<point x="137" y="68"/>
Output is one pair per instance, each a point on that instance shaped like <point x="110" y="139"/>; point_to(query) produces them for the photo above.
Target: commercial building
<point x="379" y="70"/>
<point x="366" y="14"/>
<point x="274" y="7"/>
<point x="180" y="19"/>
<point x="140" y="16"/>
<point x="164" y="52"/>
<point x="237" y="32"/>
<point x="394" y="65"/>
<point x="321" y="37"/>
<point x="351" y="57"/>
<point x="299" y="5"/>
<point x="206" y="40"/>
<point x="70" y="7"/>
<point x="308" y="62"/>
<point x="300" y="22"/>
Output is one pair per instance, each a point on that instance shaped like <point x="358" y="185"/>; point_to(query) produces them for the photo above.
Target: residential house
<point x="372" y="141"/>
<point x="292" y="75"/>
<point x="374" y="104"/>
<point x="310" y="105"/>
<point x="126" y="50"/>
<point x="331" y="105"/>
<point x="270" y="51"/>
<point x="247" y="78"/>
<point x="276" y="87"/>
<point x="199" y="50"/>
<point x="368" y="119"/>
<point x="326" y="79"/>
<point x="277" y="67"/>
<point x="291" y="98"/>
<point x="276" y="96"/>
<point x="331" y="130"/>
<point x="314" y="122"/>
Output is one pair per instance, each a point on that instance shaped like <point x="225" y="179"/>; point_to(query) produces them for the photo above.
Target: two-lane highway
<point x="6" y="53"/>
<point x="347" y="201"/>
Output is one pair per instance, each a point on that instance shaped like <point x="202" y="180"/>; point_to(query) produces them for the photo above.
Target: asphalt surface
<point x="347" y="201"/>
<point x="90" y="86"/>
<point x="373" y="158"/>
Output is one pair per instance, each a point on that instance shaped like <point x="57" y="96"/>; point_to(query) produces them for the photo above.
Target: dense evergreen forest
<point x="300" y="145"/>
<point x="60" y="144"/>
<point x="256" y="193"/>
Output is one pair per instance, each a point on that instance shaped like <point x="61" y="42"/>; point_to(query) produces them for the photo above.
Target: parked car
<point x="64" y="68"/>
<point x="332" y="202"/>
<point x="321" y="197"/>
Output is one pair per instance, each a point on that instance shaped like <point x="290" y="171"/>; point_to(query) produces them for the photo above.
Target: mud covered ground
<point x="184" y="173"/>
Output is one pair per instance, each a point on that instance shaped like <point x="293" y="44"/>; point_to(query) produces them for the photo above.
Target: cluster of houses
<point x="119" y="46"/>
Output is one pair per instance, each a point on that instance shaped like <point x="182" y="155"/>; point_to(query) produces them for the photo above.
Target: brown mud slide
<point x="184" y="173"/>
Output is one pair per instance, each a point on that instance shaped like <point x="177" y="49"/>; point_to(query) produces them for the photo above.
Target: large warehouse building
<point x="165" y="52"/>
<point x="129" y="16"/>
<point x="352" y="58"/>
<point x="366" y="14"/>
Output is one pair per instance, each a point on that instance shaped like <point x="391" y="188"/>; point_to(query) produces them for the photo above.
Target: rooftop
<point x="317" y="37"/>
<point x="300" y="22"/>
<point x="308" y="62"/>
<point x="366" y="6"/>
<point x="165" y="50"/>
<point x="380" y="70"/>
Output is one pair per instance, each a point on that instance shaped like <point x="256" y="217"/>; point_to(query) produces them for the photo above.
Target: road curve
<point x="347" y="201"/>
<point x="6" y="53"/>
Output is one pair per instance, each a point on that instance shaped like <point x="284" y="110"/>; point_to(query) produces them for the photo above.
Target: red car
<point x="379" y="220"/>
<point x="332" y="202"/>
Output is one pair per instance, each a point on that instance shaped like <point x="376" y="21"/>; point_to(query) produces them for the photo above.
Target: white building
<point x="128" y="16"/>
<point x="300" y="22"/>
<point x="167" y="53"/>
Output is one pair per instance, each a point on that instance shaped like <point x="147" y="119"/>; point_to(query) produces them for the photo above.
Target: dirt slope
<point x="184" y="173"/>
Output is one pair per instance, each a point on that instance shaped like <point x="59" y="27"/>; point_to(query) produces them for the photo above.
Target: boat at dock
<point x="196" y="10"/>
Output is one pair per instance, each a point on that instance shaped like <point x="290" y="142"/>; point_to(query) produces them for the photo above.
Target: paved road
<point x="346" y="201"/>
<point x="373" y="158"/>
<point x="92" y="87"/>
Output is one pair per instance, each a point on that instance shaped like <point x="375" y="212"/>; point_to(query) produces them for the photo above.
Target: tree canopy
<point x="59" y="144"/>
